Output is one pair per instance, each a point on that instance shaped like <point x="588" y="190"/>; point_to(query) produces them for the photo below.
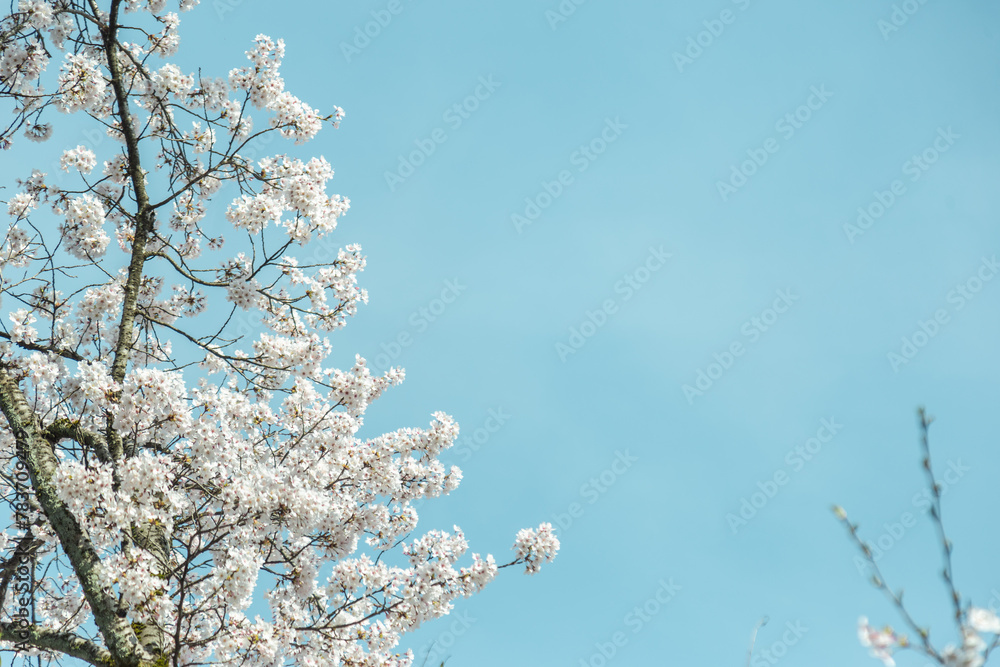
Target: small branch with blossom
<point x="972" y="621"/>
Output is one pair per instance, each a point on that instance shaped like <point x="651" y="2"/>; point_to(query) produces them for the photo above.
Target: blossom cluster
<point x="971" y="653"/>
<point x="81" y="84"/>
<point x="83" y="230"/>
<point x="80" y="158"/>
<point x="310" y="491"/>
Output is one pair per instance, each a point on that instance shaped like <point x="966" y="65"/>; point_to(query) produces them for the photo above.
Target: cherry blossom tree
<point x="973" y="623"/>
<point x="163" y="471"/>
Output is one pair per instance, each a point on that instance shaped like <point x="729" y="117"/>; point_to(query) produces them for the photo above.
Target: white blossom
<point x="80" y="158"/>
<point x="81" y="84"/>
<point x="83" y="230"/>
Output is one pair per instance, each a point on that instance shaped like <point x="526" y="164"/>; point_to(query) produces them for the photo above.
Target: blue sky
<point x="619" y="124"/>
<point x="656" y="523"/>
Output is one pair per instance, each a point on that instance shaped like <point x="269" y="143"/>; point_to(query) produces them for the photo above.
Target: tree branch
<point x="65" y="428"/>
<point x="144" y="214"/>
<point x="66" y="643"/>
<point x="68" y="354"/>
<point x="39" y="457"/>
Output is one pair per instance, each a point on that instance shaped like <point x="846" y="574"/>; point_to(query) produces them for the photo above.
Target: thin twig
<point x="753" y="638"/>
<point x="935" y="511"/>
